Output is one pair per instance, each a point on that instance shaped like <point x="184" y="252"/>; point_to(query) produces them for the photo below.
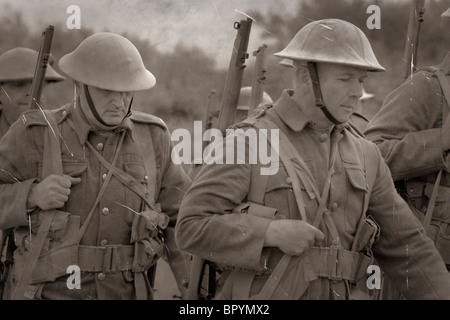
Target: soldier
<point x="309" y="228"/>
<point x="17" y="68"/>
<point x="108" y="171"/>
<point x="412" y="131"/>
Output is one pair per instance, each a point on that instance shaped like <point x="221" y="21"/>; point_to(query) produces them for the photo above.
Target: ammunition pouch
<point x="58" y="252"/>
<point x="441" y="239"/>
<point x="419" y="193"/>
<point x="147" y="235"/>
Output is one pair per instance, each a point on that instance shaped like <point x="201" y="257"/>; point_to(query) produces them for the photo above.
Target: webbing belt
<point x="111" y="258"/>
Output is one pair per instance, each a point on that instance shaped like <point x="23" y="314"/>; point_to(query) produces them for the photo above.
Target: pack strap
<point x="52" y="163"/>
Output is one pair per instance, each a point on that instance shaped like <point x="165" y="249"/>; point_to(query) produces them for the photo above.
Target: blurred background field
<point x="187" y="46"/>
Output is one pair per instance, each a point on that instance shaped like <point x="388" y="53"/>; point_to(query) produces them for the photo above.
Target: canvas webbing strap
<point x="51" y="164"/>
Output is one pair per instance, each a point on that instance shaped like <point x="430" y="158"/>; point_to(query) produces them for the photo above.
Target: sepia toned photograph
<point x="219" y="156"/>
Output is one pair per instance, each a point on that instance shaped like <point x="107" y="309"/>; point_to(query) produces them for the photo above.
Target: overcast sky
<point x="205" y="23"/>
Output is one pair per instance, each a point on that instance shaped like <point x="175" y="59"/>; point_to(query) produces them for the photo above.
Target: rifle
<point x="226" y="118"/>
<point x="259" y="78"/>
<point x="235" y="74"/>
<point x="412" y="37"/>
<point x="41" y="67"/>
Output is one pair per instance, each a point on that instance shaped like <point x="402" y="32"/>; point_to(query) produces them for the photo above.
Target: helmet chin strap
<point x="94" y="111"/>
<point x="312" y="68"/>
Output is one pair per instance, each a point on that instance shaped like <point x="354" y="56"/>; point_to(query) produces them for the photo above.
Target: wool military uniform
<point x="407" y="130"/>
<point x="208" y="225"/>
<point x="106" y="244"/>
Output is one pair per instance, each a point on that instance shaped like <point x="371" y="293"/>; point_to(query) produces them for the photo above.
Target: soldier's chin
<point x="113" y="120"/>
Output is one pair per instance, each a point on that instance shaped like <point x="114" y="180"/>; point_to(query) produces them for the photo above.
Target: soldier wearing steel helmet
<point x="17" y="68"/>
<point x="412" y="131"/>
<point x="119" y="191"/>
<point x="311" y="227"/>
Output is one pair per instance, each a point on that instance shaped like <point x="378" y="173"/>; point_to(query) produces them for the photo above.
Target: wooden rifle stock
<point x="412" y="37"/>
<point x="41" y="67"/>
<point x="235" y="74"/>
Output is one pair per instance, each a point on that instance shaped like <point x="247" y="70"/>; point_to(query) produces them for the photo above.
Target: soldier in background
<point x="412" y="131"/>
<point x="17" y="67"/>
<point x="310" y="230"/>
<point x="244" y="103"/>
<point x="107" y="169"/>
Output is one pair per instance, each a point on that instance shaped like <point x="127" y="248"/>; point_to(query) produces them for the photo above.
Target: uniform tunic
<point x="207" y="228"/>
<point x="21" y="157"/>
<point x="408" y="132"/>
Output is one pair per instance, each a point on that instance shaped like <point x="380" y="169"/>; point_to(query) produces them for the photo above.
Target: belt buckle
<point x="111" y="259"/>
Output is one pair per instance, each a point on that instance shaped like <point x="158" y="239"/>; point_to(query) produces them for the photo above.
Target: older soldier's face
<point x="111" y="106"/>
<point x="341" y="88"/>
<point x="14" y="97"/>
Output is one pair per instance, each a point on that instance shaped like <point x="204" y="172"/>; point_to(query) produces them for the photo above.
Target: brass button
<point x="146" y="178"/>
<point x="335" y="205"/>
<point x="147" y="195"/>
<point x="64" y="113"/>
<point x="100" y="146"/>
<point x="289" y="180"/>
<point x="105" y="211"/>
<point x="104" y="242"/>
<point x="323" y="137"/>
<point x="104" y="176"/>
<point x="101" y="276"/>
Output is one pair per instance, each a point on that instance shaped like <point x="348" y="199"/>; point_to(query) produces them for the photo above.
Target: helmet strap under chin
<point x="92" y="107"/>
<point x="312" y="68"/>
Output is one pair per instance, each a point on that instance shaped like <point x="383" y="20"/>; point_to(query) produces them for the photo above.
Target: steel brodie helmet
<point x="108" y="61"/>
<point x="333" y="41"/>
<point x="19" y="64"/>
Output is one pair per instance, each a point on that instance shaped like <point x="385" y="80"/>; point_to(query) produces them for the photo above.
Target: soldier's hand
<point x="292" y="236"/>
<point x="445" y="134"/>
<point x="52" y="192"/>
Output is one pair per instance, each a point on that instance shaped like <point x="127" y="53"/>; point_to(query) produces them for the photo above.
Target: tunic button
<point x="104" y="176"/>
<point x="335" y="205"/>
<point x="323" y="137"/>
<point x="104" y="242"/>
<point x="101" y="276"/>
<point x="100" y="146"/>
<point x="289" y="180"/>
<point x="105" y="211"/>
<point x="146" y="178"/>
<point x="64" y="113"/>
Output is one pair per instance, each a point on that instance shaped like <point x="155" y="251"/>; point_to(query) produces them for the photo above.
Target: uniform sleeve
<point x="206" y="225"/>
<point x="405" y="129"/>
<point x="16" y="177"/>
<point x="404" y="252"/>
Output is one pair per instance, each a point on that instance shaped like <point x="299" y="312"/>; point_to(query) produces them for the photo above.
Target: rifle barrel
<point x="235" y="74"/>
<point x="41" y="67"/>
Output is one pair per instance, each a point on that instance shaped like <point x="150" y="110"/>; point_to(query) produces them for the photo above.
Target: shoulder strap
<point x="144" y="141"/>
<point x="52" y="163"/>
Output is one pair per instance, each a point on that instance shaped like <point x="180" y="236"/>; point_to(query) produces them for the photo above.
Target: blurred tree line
<point x="186" y="76"/>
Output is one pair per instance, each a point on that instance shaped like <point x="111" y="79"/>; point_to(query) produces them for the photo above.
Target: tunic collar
<point x="293" y="116"/>
<point x="83" y="128"/>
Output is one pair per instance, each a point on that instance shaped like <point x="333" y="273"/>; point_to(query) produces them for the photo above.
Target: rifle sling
<point x="51" y="164"/>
